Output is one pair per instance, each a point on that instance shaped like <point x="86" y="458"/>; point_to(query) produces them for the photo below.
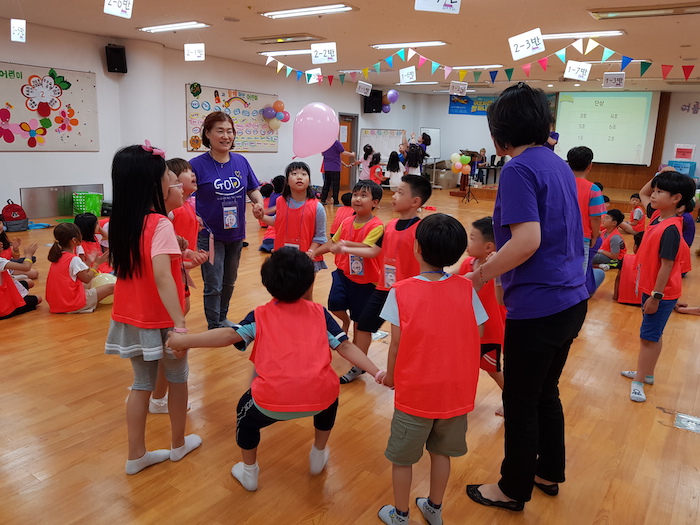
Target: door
<point x="347" y="139"/>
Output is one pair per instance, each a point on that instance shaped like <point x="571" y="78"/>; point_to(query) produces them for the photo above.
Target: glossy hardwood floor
<point x="63" y="435"/>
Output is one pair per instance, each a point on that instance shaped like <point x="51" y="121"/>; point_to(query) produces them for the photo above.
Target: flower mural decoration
<point x="43" y="93"/>
<point x="32" y="131"/>
<point x="65" y="120"/>
<point x="7" y="130"/>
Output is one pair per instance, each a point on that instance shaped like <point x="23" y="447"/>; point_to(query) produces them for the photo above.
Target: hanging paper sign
<point x="194" y="52"/>
<point x="458" y="88"/>
<point x="18" y="30"/>
<point x="684" y="151"/>
<point x="441" y="6"/>
<point x="407" y="74"/>
<point x="121" y="8"/>
<point x="577" y="70"/>
<point x="323" y="53"/>
<point x="312" y="75"/>
<point x="614" y="80"/>
<point x="526" y="44"/>
<point x="363" y="88"/>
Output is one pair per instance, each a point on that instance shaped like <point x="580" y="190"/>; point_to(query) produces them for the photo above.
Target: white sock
<point x="318" y="459"/>
<point x="247" y="475"/>
<point x="191" y="442"/>
<point x="637" y="392"/>
<point x="149" y="458"/>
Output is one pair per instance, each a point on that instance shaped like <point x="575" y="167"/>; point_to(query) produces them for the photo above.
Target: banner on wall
<point x="47" y="109"/>
<point x="244" y="107"/>
<point x="464" y="105"/>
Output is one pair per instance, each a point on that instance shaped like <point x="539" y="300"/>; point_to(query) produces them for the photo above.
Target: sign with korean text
<point x="614" y="80"/>
<point x="407" y="74"/>
<point x="526" y="44"/>
<point x="458" y="88"/>
<point x="121" y="8"/>
<point x="194" y="52"/>
<point x="438" y="6"/>
<point x="18" y="30"/>
<point x="577" y="70"/>
<point x="363" y="88"/>
<point x="323" y="53"/>
<point x="684" y="151"/>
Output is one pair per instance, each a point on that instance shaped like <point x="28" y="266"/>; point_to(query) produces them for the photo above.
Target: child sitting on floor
<point x="613" y="248"/>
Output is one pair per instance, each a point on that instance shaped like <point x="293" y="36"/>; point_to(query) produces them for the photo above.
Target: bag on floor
<point x="14" y="217"/>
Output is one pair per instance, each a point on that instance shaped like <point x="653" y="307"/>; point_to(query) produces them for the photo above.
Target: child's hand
<point x="310" y="253"/>
<point x="102" y="258"/>
<point x="15" y="244"/>
<point x="650" y="306"/>
<point x="199" y="257"/>
<point x="258" y="211"/>
<point x="176" y="344"/>
<point x="30" y="250"/>
<point x="337" y="247"/>
<point x="182" y="243"/>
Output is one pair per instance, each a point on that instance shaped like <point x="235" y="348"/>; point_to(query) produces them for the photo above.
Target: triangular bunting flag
<point x="687" y="71"/>
<point x="421" y="61"/>
<point x="526" y="68"/>
<point x="402" y="54"/>
<point x="390" y="61"/>
<point x="665" y="70"/>
<point x="269" y="59"/>
<point x="319" y="78"/>
<point x="625" y="62"/>
<point x="342" y="79"/>
<point x="448" y="70"/>
<point x="607" y="53"/>
<point x="493" y="76"/>
<point x="477" y="75"/>
<point x="462" y="74"/>
<point x="377" y="67"/>
<point x="543" y="62"/>
<point x="308" y="77"/>
<point x="299" y="73"/>
<point x="592" y="44"/>
<point x="433" y="67"/>
<point x="365" y="73"/>
<point x="353" y="76"/>
<point x="643" y="68"/>
<point x="289" y="70"/>
<point x="330" y="80"/>
<point x="279" y="66"/>
<point x="509" y="73"/>
<point x="411" y="53"/>
<point x="561" y="55"/>
<point x="578" y="45"/>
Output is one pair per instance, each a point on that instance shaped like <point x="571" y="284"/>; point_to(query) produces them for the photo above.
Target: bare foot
<point x="499" y="411"/>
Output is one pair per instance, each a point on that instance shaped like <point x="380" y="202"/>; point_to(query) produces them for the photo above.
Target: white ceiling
<point x="478" y="35"/>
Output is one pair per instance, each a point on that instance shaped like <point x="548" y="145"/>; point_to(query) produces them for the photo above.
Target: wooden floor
<point x="63" y="435"/>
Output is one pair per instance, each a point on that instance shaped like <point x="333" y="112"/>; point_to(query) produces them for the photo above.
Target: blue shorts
<point x="653" y="324"/>
<point x="348" y="295"/>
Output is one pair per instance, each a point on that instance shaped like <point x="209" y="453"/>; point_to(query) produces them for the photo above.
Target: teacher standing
<point x="332" y="160"/>
<point x="539" y="260"/>
<point x="223" y="181"/>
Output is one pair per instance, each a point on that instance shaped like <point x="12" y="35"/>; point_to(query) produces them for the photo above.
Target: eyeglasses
<point x="178" y="185"/>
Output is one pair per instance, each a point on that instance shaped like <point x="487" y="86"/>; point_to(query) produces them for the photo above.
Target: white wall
<point x="682" y="127"/>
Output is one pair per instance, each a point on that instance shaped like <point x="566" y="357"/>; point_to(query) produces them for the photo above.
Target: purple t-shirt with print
<point x="538" y="186"/>
<point x="331" y="157"/>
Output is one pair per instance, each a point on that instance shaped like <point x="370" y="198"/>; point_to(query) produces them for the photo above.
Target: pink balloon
<point x="458" y="165"/>
<point x="287" y="116"/>
<point x="316" y="128"/>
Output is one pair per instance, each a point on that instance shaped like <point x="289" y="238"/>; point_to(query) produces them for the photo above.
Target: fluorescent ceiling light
<point x="550" y="85"/>
<point x="447" y="90"/>
<point x="635" y="61"/>
<point x="410" y="44"/>
<point x="645" y="11"/>
<point x="585" y="34"/>
<point x="416" y="83"/>
<point x="289" y="52"/>
<point x="490" y="66"/>
<point x="309" y="11"/>
<point x="173" y="27"/>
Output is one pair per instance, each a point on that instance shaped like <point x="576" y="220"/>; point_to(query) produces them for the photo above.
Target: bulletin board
<point x="383" y="141"/>
<point x="47" y="109"/>
<point x="245" y="108"/>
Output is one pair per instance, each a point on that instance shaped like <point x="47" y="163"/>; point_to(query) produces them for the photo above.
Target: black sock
<point x="435" y="506"/>
<point x="401" y="513"/>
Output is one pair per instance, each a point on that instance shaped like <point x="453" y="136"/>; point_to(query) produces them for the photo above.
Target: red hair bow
<point x="147" y="146"/>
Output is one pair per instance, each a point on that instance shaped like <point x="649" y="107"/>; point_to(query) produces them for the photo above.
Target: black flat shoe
<point x="475" y="495"/>
<point x="550" y="490"/>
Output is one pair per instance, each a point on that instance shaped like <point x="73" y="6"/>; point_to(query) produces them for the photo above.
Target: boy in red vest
<point x="626" y="289"/>
<point x="637" y="222"/>
<point x="294" y="377"/>
<point x="613" y="248"/>
<point x="433" y="364"/>
<point x="659" y="269"/>
<point x="395" y="252"/>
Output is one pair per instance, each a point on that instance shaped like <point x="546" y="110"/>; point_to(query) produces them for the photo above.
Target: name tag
<point x="291" y="245"/>
<point x="230" y="217"/>
<point x="357" y="265"/>
<point x="389" y="275"/>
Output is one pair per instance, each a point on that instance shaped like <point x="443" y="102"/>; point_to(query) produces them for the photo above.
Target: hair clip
<point x="155" y="151"/>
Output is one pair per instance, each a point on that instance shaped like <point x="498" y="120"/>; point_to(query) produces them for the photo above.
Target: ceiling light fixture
<point x="490" y="66"/>
<point x="550" y="85"/>
<point x="584" y="34"/>
<point x="447" y="91"/>
<point x="282" y="39"/>
<point x="309" y="11"/>
<point x="173" y="27"/>
<point x="289" y="52"/>
<point x="416" y="83"/>
<point x="691" y="8"/>
<point x="410" y="44"/>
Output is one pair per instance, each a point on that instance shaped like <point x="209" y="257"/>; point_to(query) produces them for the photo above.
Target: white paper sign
<point x="407" y="74"/>
<point x="363" y="88"/>
<point x="458" y="88"/>
<point x="194" y="52"/>
<point x="526" y="44"/>
<point x="438" y="6"/>
<point x="577" y="70"/>
<point x="323" y="53"/>
<point x="614" y="80"/>
<point x="314" y="75"/>
<point x="18" y="30"/>
<point x="121" y="8"/>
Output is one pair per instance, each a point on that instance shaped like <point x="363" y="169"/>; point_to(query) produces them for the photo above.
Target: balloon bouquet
<point x="275" y="115"/>
<point x="461" y="163"/>
<point x="387" y="100"/>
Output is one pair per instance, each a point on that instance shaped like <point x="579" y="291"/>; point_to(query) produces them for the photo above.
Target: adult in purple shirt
<point x="331" y="171"/>
<point x="224" y="179"/>
<point x="537" y="228"/>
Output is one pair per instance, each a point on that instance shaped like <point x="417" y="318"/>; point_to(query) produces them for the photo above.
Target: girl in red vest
<point x="149" y="297"/>
<point x="375" y="170"/>
<point x="66" y="290"/>
<point x="90" y="247"/>
<point x="12" y="300"/>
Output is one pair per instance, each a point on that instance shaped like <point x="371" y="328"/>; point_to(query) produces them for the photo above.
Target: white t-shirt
<point x="76" y="266"/>
<point x="395" y="176"/>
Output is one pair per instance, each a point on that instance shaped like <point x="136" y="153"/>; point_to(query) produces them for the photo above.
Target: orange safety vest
<point x="63" y="294"/>
<point x="398" y="262"/>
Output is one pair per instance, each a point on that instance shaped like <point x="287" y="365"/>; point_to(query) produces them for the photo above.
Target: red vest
<point x="63" y="294"/>
<point x="627" y="291"/>
<point x="360" y="270"/>
<point x="186" y="224"/>
<point x="583" y="189"/>
<point x="7" y="254"/>
<point x="93" y="247"/>
<point x="266" y="205"/>
<point x="649" y="262"/>
<point x="398" y="262"/>
<point x="136" y="299"/>
<point x="375" y="174"/>
<point x="684" y="256"/>
<point x="437" y="366"/>
<point x="341" y="214"/>
<point x="606" y="243"/>
<point x="494" y="328"/>
<point x="295" y="227"/>
<point x="292" y="358"/>
<point x="10" y="298"/>
<point x="641" y="225"/>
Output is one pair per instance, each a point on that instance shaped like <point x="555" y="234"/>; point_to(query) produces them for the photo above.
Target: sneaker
<point x="246" y="244"/>
<point x="351" y="375"/>
<point x="604" y="267"/>
<point x="389" y="516"/>
<point x="614" y="264"/>
<point x="430" y="513"/>
<point x="631" y="374"/>
<point x="318" y="459"/>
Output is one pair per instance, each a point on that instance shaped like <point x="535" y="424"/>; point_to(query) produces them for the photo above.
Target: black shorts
<point x="370" y="321"/>
<point x="348" y="295"/>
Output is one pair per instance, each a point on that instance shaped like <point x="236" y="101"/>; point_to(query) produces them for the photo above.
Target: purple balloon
<point x="386" y="108"/>
<point x="392" y="95"/>
<point x="269" y="113"/>
<point x="279" y="115"/>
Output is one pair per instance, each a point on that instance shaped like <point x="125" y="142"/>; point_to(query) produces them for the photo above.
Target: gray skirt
<point x="129" y="341"/>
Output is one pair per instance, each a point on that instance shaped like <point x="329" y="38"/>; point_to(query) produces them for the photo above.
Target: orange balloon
<point x="278" y="106"/>
<point x="385" y="100"/>
<point x="454" y="169"/>
<point x="466" y="169"/>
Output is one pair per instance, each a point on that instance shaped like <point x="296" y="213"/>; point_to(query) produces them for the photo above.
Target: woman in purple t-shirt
<point x="539" y="260"/>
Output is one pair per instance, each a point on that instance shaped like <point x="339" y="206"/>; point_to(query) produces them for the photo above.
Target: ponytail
<point x="55" y="252"/>
<point x="63" y="234"/>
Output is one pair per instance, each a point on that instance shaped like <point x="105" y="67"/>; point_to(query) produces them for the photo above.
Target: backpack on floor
<point x="14" y="217"/>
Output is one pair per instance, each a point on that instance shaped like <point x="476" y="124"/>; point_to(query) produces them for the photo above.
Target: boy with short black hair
<point x="433" y="364"/>
<point x="637" y="222"/>
<point x="613" y="248"/>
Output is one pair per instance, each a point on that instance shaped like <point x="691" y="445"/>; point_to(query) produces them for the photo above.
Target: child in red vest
<point x="343" y="212"/>
<point x="14" y="299"/>
<point x="613" y="248"/>
<point x="638" y="221"/>
<point x="278" y="184"/>
<point x="294" y="377"/>
<point x="149" y="296"/>
<point x="433" y="364"/>
<point x="659" y="270"/>
<point x="626" y="289"/>
<point x="92" y="234"/>
<point x="481" y="244"/>
<point x="66" y="283"/>
<point x="395" y="252"/>
<point x="375" y="169"/>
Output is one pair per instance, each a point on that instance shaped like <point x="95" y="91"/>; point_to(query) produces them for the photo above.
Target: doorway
<point x="348" y="138"/>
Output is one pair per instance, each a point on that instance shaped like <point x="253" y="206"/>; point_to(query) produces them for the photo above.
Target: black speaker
<point x="116" y="58"/>
<point x="373" y="103"/>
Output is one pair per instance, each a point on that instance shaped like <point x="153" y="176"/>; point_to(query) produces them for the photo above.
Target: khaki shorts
<point x="444" y="437"/>
<point x="90" y="302"/>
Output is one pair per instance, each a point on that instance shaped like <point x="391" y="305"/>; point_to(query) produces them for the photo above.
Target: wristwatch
<point x="657" y="295"/>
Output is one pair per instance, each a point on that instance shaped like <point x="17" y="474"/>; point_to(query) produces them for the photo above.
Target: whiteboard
<point x="383" y="141"/>
<point x="434" y="148"/>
